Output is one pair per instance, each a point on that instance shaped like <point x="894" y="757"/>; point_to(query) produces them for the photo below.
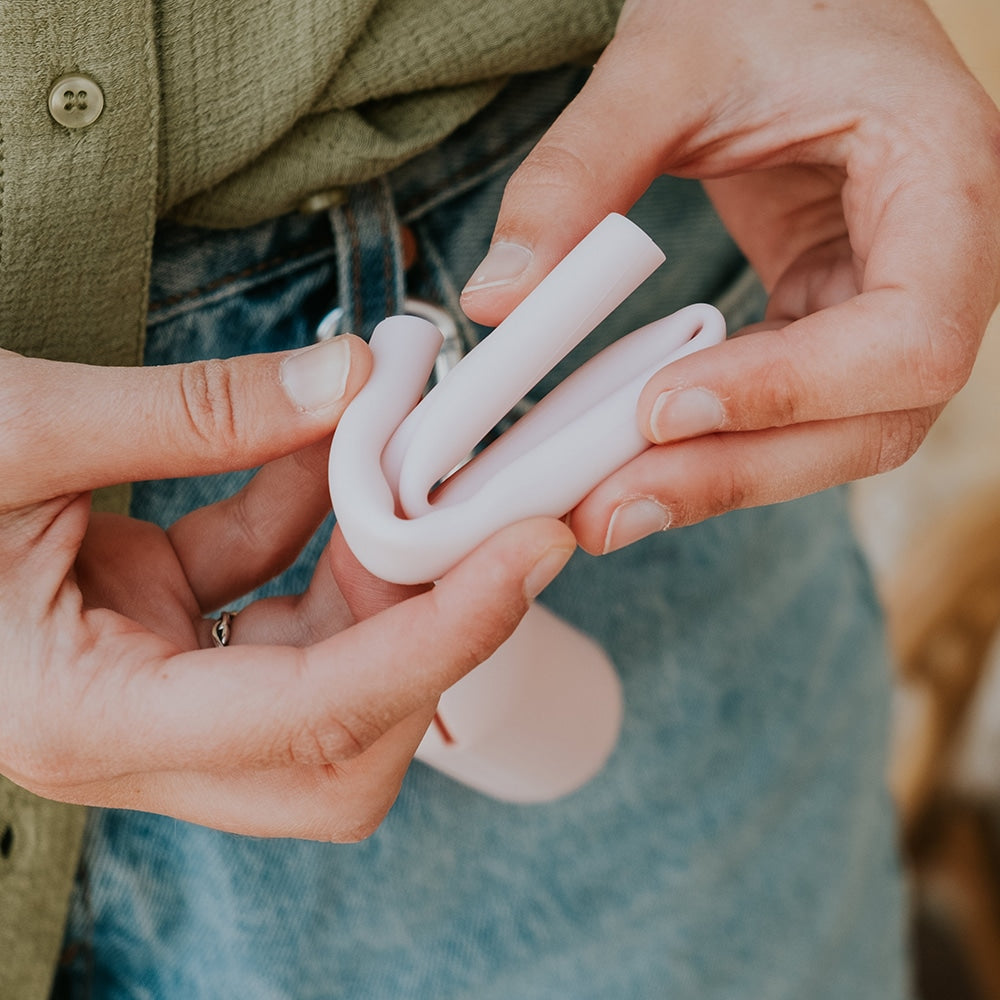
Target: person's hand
<point x="857" y="164"/>
<point x="111" y="690"/>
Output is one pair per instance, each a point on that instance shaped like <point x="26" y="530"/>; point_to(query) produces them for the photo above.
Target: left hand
<point x="856" y="162"/>
<point x="111" y="691"/>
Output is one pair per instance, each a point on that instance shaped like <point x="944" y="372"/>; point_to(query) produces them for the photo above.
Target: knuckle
<point x="312" y="461"/>
<point x="941" y="349"/>
<point x="208" y="400"/>
<point x="945" y="367"/>
<point x="482" y="643"/>
<point x="477" y="638"/>
<point x="552" y="165"/>
<point x="358" y="828"/>
<point x="779" y="391"/>
<point x="729" y="492"/>
<point x="897" y="437"/>
<point x="245" y="526"/>
<point x="729" y="486"/>
<point x="328" y="742"/>
<point x="365" y="813"/>
<point x="349" y="811"/>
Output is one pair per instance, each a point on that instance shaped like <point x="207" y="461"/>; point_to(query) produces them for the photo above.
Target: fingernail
<point x="635" y="519"/>
<point x="505" y="262"/>
<point x="546" y="570"/>
<point x="316" y="376"/>
<point x="685" y="413"/>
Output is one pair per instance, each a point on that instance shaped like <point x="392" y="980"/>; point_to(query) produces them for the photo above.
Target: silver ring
<point x="222" y="629"/>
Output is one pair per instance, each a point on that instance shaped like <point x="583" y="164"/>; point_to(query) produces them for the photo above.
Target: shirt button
<point x="76" y="101"/>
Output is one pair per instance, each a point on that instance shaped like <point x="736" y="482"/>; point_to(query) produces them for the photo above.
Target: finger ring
<point x="222" y="629"/>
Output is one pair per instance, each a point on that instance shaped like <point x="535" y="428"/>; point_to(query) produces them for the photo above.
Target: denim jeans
<point x="740" y="842"/>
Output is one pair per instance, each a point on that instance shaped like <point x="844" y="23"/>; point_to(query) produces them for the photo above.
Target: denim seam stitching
<point x="354" y="243"/>
<point x="236" y="283"/>
<point x="446" y="287"/>
<point x="385" y="226"/>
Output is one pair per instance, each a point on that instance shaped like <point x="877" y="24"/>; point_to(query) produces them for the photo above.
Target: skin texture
<point x="857" y="164"/>
<point x="112" y="693"/>
<point x="852" y="157"/>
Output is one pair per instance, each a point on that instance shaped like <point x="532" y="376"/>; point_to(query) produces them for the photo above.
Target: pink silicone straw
<point x="390" y="450"/>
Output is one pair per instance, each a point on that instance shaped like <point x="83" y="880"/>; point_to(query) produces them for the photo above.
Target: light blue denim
<point x="740" y="843"/>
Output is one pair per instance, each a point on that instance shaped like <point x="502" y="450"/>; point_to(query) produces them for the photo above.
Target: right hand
<point x="856" y="162"/>
<point x="112" y="694"/>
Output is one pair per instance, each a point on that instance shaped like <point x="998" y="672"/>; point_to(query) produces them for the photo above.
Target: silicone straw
<point x="390" y="450"/>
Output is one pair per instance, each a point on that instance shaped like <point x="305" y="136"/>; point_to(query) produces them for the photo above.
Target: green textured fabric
<point x="77" y="206"/>
<point x="396" y="77"/>
<point x="39" y="845"/>
<point x="216" y="113"/>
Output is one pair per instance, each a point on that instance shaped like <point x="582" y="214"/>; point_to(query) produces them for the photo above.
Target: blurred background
<point x="932" y="529"/>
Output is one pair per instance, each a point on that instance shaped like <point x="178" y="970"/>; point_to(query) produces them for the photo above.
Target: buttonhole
<point x="6" y="842"/>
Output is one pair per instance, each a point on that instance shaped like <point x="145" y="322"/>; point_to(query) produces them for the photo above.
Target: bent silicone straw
<point x="389" y="451"/>
<point x="541" y="716"/>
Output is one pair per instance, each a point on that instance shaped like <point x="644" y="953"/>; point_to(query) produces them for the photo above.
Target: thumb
<point x="598" y="157"/>
<point x="67" y="428"/>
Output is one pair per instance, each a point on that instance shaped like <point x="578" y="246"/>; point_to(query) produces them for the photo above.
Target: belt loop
<point x="370" y="274"/>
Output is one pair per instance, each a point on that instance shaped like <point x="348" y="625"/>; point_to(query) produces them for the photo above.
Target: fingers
<point x="267" y="706"/>
<point x="364" y="593"/>
<point x="342" y="804"/>
<point x="231" y="547"/>
<point x="680" y="484"/>
<point x="341" y="593"/>
<point x="598" y="157"/>
<point x="68" y="428"/>
<point x="877" y="353"/>
<point x="890" y="312"/>
<point x="915" y="194"/>
<point x="402" y="659"/>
